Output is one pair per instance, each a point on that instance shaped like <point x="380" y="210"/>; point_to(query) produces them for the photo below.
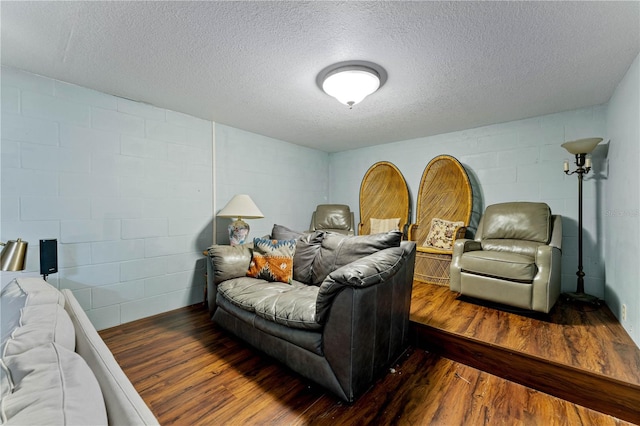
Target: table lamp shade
<point x="241" y="206"/>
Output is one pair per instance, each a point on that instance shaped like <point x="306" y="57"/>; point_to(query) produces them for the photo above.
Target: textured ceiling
<point x="253" y="65"/>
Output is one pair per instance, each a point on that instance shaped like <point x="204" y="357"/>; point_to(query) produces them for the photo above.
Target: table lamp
<point x="240" y="206"/>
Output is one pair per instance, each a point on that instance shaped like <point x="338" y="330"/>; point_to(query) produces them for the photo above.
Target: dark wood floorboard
<point x="577" y="353"/>
<point x="190" y="372"/>
<point x="580" y="336"/>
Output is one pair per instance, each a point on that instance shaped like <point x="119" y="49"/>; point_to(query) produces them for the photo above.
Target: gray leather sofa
<point x="515" y="258"/>
<point x="341" y="322"/>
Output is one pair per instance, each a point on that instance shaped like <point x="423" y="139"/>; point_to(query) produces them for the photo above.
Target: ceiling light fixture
<point x="352" y="81"/>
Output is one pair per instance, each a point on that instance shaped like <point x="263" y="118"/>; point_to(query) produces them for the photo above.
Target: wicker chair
<point x="445" y="193"/>
<point x="384" y="195"/>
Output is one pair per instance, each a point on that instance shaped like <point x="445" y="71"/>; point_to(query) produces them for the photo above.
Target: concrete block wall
<point x="285" y="181"/>
<point x="622" y="203"/>
<point x="515" y="161"/>
<point x="124" y="187"/>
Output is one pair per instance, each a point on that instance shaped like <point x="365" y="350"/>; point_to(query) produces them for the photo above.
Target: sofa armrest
<point x="367" y="326"/>
<point x="368" y="271"/>
<point x="229" y="262"/>
<point x="124" y="405"/>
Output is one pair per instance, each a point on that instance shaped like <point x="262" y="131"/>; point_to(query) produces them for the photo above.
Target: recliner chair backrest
<point x="332" y="217"/>
<point x="516" y="221"/>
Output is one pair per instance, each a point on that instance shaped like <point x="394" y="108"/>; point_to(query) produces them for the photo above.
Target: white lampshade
<point x="351" y="84"/>
<point x="581" y="146"/>
<point x="241" y="206"/>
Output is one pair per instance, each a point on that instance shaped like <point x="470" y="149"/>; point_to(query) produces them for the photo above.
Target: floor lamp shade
<point x="241" y="206"/>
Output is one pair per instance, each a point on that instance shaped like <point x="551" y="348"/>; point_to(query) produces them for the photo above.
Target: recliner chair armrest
<point x="464" y="245"/>
<point x="546" y="283"/>
<point x="460" y="247"/>
<point x="556" y="232"/>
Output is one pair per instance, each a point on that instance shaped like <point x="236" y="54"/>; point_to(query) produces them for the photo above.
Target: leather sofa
<point x="343" y="319"/>
<point x="515" y="258"/>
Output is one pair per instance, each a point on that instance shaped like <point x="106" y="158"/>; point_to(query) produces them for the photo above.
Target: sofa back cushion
<point x="307" y="250"/>
<point x="517" y="221"/>
<point x="39" y="325"/>
<point x="52" y="385"/>
<point x="338" y="250"/>
<point x="23" y="292"/>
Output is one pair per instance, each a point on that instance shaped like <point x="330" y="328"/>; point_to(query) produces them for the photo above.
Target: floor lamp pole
<point x="580" y="295"/>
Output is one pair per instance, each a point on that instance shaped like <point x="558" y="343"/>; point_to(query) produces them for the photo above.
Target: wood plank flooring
<point x="577" y="335"/>
<point x="577" y="353"/>
<point x="190" y="372"/>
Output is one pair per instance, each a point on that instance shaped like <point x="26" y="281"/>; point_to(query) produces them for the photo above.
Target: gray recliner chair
<point x="514" y="259"/>
<point x="333" y="218"/>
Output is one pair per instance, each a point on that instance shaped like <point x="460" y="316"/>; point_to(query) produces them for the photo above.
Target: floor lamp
<point x="580" y="148"/>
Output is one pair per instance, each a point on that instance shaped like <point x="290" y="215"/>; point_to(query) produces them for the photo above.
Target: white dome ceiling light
<point x="352" y="81"/>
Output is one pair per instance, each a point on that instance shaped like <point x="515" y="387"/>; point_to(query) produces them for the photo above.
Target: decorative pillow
<point x="272" y="260"/>
<point x="379" y="226"/>
<point x="441" y="233"/>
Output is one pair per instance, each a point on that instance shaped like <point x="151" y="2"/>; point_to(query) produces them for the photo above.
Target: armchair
<point x="514" y="259"/>
<point x="333" y="218"/>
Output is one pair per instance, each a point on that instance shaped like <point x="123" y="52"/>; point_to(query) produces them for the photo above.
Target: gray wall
<point x="622" y="202"/>
<point x="516" y="161"/>
<point x="124" y="187"/>
<point x="285" y="181"/>
<point x="128" y="189"/>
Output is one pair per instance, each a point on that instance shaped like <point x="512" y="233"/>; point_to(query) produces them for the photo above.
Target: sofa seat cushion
<point x="310" y="340"/>
<point x="292" y="305"/>
<point x="510" y="266"/>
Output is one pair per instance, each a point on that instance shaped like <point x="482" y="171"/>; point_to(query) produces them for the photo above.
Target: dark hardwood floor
<point x="190" y="372"/>
<point x="578" y="353"/>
